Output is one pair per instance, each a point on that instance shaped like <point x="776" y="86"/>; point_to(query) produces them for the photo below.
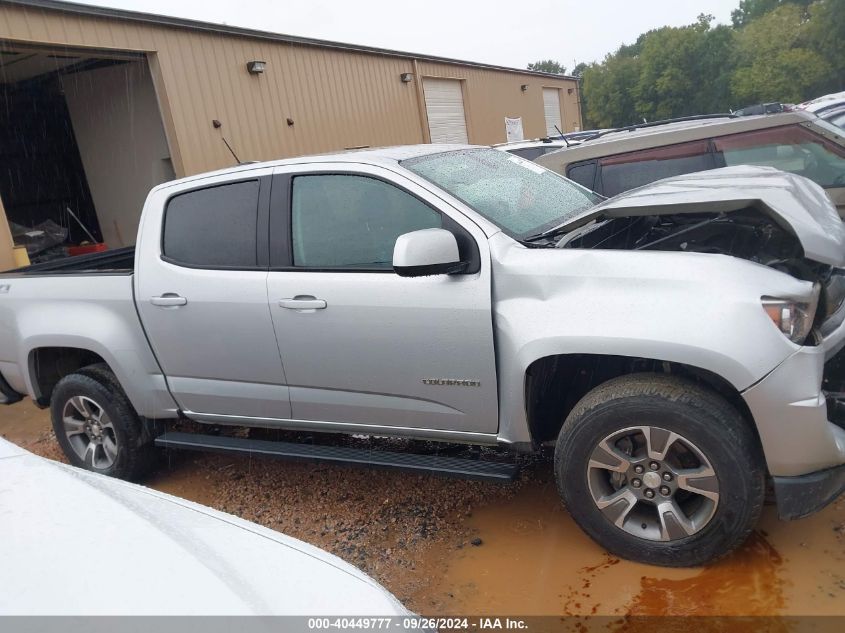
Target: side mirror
<point x="427" y="252"/>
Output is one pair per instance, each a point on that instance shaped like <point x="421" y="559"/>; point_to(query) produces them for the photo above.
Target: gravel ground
<point x="454" y="546"/>
<point x="380" y="521"/>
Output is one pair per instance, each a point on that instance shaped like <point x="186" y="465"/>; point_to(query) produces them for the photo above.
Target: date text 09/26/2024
<point x="417" y="623"/>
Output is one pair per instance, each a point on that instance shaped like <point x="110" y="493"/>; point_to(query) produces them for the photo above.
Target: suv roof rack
<point x="639" y="126"/>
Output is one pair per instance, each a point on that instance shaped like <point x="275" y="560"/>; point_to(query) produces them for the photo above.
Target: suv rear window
<point x="213" y="227"/>
<point x="791" y="148"/>
<point x="626" y="171"/>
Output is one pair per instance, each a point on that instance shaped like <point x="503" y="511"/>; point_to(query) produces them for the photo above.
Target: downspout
<point x="578" y="101"/>
<point x="426" y="134"/>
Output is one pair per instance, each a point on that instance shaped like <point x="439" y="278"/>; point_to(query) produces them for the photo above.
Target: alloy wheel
<point x="653" y="483"/>
<point x="90" y="432"/>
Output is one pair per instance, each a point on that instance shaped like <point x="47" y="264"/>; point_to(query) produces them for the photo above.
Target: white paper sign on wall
<point x="513" y="129"/>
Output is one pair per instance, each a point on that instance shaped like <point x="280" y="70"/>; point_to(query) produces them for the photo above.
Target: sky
<point x="506" y="33"/>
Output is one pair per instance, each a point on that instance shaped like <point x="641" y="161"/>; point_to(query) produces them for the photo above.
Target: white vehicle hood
<point x="795" y="203"/>
<point x="76" y="543"/>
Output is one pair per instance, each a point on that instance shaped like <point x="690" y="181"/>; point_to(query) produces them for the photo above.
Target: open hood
<point x="796" y="204"/>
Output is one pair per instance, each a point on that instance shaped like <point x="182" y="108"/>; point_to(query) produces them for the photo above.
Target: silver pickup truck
<point x="678" y="344"/>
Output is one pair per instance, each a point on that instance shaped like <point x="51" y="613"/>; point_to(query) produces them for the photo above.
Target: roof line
<point x="659" y="122"/>
<point x="197" y="25"/>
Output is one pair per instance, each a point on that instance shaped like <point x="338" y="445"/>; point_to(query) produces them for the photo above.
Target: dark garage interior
<point x="82" y="143"/>
<point x="41" y="172"/>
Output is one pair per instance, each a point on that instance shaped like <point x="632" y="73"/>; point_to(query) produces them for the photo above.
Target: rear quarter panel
<point x="91" y="312"/>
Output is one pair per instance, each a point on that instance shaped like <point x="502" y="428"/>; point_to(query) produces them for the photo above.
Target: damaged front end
<point x="746" y="234"/>
<point x="759" y="214"/>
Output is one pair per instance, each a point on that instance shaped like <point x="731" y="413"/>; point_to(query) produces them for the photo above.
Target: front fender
<point x="700" y="310"/>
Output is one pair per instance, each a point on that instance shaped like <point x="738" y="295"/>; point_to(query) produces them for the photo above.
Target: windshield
<point x="517" y="195"/>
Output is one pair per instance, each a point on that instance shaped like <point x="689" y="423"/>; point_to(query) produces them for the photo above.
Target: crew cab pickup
<point x="678" y="344"/>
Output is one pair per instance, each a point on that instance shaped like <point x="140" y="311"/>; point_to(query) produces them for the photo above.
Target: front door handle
<point x="303" y="302"/>
<point x="169" y="300"/>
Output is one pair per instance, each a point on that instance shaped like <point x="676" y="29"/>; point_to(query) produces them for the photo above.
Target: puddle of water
<point x="746" y="583"/>
<point x="813" y="555"/>
<point x="534" y="560"/>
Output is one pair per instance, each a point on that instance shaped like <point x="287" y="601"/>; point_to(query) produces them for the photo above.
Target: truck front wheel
<point x="660" y="470"/>
<point x="97" y="427"/>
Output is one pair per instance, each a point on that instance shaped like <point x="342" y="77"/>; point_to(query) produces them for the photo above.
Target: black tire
<point x="135" y="455"/>
<point x="698" y="415"/>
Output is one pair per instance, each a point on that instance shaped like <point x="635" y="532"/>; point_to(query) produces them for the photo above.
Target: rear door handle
<point x="303" y="302"/>
<point x="169" y="300"/>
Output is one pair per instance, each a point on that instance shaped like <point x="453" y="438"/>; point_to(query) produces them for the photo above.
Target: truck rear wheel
<point x="660" y="470"/>
<point x="97" y="427"/>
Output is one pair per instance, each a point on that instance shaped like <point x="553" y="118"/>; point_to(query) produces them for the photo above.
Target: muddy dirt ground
<point x="415" y="535"/>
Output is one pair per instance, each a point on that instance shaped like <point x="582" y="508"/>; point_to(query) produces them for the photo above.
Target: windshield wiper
<point x="532" y="239"/>
<point x="548" y="233"/>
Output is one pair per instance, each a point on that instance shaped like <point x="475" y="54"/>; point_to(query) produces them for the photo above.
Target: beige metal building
<point x="99" y="105"/>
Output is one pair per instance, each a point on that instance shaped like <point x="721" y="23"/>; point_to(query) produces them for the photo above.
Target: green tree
<point x="608" y="91"/>
<point x="579" y="69"/>
<point x="776" y="50"/>
<point x="750" y="10"/>
<point x="548" y="66"/>
<point x="664" y="86"/>
<point x="825" y="34"/>
<point x="716" y="64"/>
<point x="684" y="70"/>
<point x="774" y="61"/>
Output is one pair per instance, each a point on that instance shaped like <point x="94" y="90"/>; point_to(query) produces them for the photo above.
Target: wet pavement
<point x="415" y="534"/>
<point x="535" y="561"/>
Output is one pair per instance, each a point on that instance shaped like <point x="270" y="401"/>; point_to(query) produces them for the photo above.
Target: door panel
<point x="551" y="111"/>
<point x="364" y="357"/>
<point x="209" y="325"/>
<point x="219" y="350"/>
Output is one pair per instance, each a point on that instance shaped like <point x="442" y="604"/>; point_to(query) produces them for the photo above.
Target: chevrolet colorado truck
<point x="678" y="344"/>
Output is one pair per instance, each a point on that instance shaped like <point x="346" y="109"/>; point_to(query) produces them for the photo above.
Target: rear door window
<point x="627" y="171"/>
<point x="790" y="148"/>
<point x="215" y="227"/>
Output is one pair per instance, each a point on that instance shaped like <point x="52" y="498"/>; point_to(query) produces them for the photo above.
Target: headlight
<point x="793" y="318"/>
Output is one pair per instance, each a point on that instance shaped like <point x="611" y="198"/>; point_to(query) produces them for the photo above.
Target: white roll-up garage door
<point x="551" y="107"/>
<point x="444" y="105"/>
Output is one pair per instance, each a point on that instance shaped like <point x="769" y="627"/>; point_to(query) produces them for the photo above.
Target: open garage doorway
<point x="82" y="144"/>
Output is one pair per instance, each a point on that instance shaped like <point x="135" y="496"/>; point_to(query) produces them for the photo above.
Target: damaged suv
<point x="679" y="344"/>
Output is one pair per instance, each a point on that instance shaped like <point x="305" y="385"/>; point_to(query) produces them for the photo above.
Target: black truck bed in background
<point x="120" y="261"/>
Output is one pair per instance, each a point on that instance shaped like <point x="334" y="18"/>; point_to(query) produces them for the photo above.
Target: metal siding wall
<point x="336" y="98"/>
<point x="571" y="106"/>
<point x="490" y="95"/>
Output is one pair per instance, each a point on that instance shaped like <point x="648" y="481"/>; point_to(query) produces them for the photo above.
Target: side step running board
<point x="432" y="464"/>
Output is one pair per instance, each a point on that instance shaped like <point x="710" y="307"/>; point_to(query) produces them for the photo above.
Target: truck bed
<point x="120" y="261"/>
